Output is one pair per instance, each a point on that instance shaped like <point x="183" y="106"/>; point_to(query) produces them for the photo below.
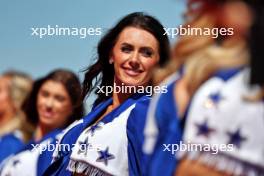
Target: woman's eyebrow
<point x="147" y="48"/>
<point x="143" y="47"/>
<point x="126" y="44"/>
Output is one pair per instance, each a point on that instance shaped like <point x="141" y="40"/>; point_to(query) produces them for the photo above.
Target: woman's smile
<point x="132" y="72"/>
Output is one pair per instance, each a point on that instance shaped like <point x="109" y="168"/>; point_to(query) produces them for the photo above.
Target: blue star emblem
<point x="83" y="146"/>
<point x="94" y="128"/>
<point x="104" y="156"/>
<point x="204" y="129"/>
<point x="15" y="162"/>
<point x="236" y="138"/>
<point x="213" y="99"/>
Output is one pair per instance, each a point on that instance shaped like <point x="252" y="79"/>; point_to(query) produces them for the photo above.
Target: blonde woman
<point x="225" y="116"/>
<point x="202" y="59"/>
<point x="14" y="88"/>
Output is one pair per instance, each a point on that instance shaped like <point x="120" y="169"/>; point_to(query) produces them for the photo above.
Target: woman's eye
<point x="126" y="49"/>
<point x="147" y="53"/>
<point x="44" y="94"/>
<point x="60" y="98"/>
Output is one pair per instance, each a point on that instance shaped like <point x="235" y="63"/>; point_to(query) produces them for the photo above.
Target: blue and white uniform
<point x="218" y="114"/>
<point x="10" y="144"/>
<point x="110" y="147"/>
<point x="162" y="128"/>
<point x="33" y="159"/>
<point x="221" y="114"/>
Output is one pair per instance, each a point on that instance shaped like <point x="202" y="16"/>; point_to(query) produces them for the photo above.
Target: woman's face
<point x="236" y="15"/>
<point x="134" y="55"/>
<point x="53" y="105"/>
<point x="5" y="99"/>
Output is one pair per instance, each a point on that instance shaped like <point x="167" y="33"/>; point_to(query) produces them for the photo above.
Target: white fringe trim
<point x="226" y="164"/>
<point x="85" y="168"/>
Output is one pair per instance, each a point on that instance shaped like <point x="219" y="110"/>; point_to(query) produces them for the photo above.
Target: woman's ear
<point x="111" y="60"/>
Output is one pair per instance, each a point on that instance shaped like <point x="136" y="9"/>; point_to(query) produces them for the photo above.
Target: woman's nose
<point x="49" y="102"/>
<point x="134" y="61"/>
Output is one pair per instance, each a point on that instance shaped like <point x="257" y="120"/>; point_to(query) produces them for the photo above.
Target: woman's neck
<point x="6" y="117"/>
<point x="120" y="97"/>
<point x="41" y="131"/>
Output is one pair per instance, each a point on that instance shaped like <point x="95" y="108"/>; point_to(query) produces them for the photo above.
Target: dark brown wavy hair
<point x="256" y="43"/>
<point x="102" y="72"/>
<point x="72" y="86"/>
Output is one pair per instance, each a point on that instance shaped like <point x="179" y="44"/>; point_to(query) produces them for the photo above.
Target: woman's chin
<point x="132" y="83"/>
<point x="47" y="122"/>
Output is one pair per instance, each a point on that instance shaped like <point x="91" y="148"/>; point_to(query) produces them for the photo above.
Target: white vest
<point x="219" y="115"/>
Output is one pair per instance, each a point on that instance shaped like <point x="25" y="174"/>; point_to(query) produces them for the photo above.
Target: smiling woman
<point x="54" y="103"/>
<point x="55" y="100"/>
<point x="127" y="55"/>
<point x="133" y="46"/>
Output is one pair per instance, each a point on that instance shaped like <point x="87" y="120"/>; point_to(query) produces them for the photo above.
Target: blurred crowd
<point x="215" y="96"/>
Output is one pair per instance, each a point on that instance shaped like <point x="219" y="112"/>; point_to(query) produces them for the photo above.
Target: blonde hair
<point x="19" y="89"/>
<point x="201" y="55"/>
<point x="185" y="46"/>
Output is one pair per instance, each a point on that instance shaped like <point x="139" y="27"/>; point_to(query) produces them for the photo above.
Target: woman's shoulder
<point x="15" y="136"/>
<point x="138" y="114"/>
<point x="141" y="104"/>
<point x="12" y="143"/>
<point x="67" y="138"/>
<point x="226" y="74"/>
<point x="68" y="130"/>
<point x="143" y="100"/>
